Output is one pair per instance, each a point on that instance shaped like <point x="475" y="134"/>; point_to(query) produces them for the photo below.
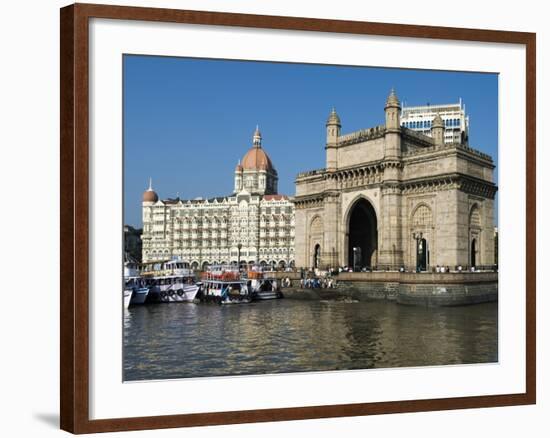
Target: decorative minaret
<point x="238" y="177"/>
<point x="438" y="130"/>
<point x="333" y="132"/>
<point x="393" y="111"/>
<point x="257" y="138"/>
<point x="393" y="126"/>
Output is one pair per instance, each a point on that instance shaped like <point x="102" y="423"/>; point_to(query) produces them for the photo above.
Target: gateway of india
<point x="393" y="197"/>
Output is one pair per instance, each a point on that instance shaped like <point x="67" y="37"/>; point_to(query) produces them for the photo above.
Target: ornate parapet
<point x="417" y="138"/>
<point x="475" y="152"/>
<point x="362" y="135"/>
<point x="309" y="173"/>
<point x="448" y="147"/>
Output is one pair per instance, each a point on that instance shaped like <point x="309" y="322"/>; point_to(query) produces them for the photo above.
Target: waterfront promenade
<point x="425" y="289"/>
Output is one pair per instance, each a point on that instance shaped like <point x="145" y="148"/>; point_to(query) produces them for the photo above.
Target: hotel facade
<point x="253" y="225"/>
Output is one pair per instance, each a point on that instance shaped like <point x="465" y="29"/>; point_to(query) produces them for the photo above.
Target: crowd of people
<point x="317" y="283"/>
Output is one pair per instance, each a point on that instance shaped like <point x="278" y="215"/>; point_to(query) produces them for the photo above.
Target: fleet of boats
<point x="173" y="281"/>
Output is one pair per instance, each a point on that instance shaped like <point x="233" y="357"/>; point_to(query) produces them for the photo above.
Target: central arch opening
<point x="362" y="235"/>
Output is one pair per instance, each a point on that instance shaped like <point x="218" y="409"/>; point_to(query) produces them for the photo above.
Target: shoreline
<point x="427" y="289"/>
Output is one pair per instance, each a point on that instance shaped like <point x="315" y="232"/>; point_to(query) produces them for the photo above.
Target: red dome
<point x="150" y="196"/>
<point x="257" y="159"/>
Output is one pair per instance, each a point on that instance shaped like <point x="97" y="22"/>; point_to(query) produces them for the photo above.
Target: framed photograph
<point x="276" y="218"/>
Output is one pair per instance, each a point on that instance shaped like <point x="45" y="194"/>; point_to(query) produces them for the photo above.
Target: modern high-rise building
<point x="419" y="118"/>
<point x="253" y="225"/>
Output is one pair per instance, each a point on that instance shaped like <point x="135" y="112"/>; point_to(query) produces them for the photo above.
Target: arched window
<point x="316" y="226"/>
<point x="422" y="216"/>
<point x="475" y="217"/>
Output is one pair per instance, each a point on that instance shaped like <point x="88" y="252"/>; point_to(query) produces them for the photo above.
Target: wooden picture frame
<point x="75" y="238"/>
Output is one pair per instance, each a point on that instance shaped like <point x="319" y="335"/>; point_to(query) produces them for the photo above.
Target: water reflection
<point x="187" y="340"/>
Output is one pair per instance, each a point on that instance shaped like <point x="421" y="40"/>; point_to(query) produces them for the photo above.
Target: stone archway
<point x="475" y="235"/>
<point x="362" y="235"/>
<point x="422" y="236"/>
<point x="316" y="239"/>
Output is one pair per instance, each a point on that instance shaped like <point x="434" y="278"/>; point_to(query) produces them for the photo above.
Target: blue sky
<point x="187" y="122"/>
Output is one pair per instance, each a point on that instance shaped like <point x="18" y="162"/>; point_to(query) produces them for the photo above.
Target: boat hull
<point x="267" y="295"/>
<point x="228" y="301"/>
<point x="139" y="295"/>
<point x="184" y="294"/>
<point x="127" y="297"/>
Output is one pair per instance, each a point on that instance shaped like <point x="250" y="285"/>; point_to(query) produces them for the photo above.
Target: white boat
<point x="169" y="281"/>
<point x="225" y="285"/>
<point x="133" y="283"/>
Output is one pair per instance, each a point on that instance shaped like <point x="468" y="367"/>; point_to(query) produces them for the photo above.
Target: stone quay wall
<point x="424" y="289"/>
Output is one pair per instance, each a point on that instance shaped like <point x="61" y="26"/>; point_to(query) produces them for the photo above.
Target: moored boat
<point x="224" y="285"/>
<point x="169" y="281"/>
<point x="263" y="285"/>
<point x="139" y="291"/>
<point x="133" y="284"/>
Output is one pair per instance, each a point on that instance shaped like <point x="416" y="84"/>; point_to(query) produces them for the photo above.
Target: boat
<point x="127" y="297"/>
<point x="263" y="285"/>
<point x="139" y="291"/>
<point x="133" y="283"/>
<point x="225" y="285"/>
<point x="169" y="281"/>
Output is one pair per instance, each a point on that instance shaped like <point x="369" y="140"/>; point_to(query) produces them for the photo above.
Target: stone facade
<point x="392" y="197"/>
<point x="253" y="225"/>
